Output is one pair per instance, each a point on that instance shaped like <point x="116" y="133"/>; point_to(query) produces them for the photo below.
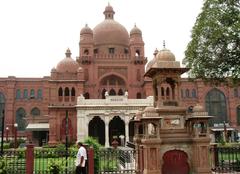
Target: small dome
<point x="135" y="30"/>
<point x="86" y="30"/>
<point x="110" y="32"/>
<point x="151" y="62"/>
<point x="198" y="108"/>
<point x="165" y="55"/>
<point x="53" y="69"/>
<point x="67" y="64"/>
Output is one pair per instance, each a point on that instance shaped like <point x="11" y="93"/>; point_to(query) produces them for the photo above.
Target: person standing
<point x="81" y="159"/>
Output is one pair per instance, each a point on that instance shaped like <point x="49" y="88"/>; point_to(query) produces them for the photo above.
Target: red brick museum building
<point x="112" y="60"/>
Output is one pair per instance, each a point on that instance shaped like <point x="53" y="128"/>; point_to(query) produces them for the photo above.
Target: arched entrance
<point x="116" y="128"/>
<point x="96" y="129"/>
<point x="175" y="162"/>
<point x="216" y="106"/>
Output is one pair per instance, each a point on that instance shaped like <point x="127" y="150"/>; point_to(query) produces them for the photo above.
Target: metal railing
<point x="111" y="160"/>
<point x="45" y="157"/>
<point x="225" y="159"/>
<point x="14" y="161"/>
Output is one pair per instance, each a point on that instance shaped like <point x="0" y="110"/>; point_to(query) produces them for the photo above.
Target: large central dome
<point x="109" y="31"/>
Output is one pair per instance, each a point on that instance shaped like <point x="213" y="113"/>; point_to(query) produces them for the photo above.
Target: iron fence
<point x="109" y="160"/>
<point x="225" y="159"/>
<point x="14" y="161"/>
<point x="45" y="157"/>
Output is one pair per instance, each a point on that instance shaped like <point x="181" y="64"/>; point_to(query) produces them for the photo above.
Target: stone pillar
<point x="200" y="156"/>
<point x="106" y="132"/>
<point x="127" y="131"/>
<point x="80" y="126"/>
<point x="29" y="159"/>
<point x="152" y="164"/>
<point x="90" y="161"/>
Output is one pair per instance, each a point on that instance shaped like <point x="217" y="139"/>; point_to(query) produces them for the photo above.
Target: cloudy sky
<point x="34" y="34"/>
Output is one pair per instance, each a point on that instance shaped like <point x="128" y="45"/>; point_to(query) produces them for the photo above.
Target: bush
<point x="54" y="167"/>
<point x="6" y="145"/>
<point x="3" y="169"/>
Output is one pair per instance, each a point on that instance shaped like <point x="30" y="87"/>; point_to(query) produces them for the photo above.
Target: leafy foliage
<point x="54" y="167"/>
<point x="214" y="51"/>
<point x="3" y="169"/>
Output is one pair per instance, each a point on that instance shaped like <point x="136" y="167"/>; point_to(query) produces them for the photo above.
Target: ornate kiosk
<point x="170" y="140"/>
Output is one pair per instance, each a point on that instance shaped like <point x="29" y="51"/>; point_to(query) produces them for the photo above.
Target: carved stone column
<point x="106" y="131"/>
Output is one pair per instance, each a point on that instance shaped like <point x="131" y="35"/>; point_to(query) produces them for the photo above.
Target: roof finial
<point x="68" y="53"/>
<point x="108" y="3"/>
<point x="155" y="52"/>
<point x="86" y="25"/>
<point x="164" y="44"/>
<point x="135" y="24"/>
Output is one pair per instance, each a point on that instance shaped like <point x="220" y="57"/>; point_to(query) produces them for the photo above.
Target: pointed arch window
<point x="32" y="94"/>
<point x="112" y="92"/>
<point x="194" y="93"/>
<point x="18" y="94"/>
<point x="39" y="94"/>
<point x="215" y="102"/>
<point x="35" y="112"/>
<point x="66" y="94"/>
<point x="73" y="94"/>
<point x="137" y="53"/>
<point x="120" y="92"/>
<point x="20" y="119"/>
<point x="25" y="93"/>
<point x="60" y="94"/>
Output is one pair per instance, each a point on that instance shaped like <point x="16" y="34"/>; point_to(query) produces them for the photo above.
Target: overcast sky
<point x="34" y="34"/>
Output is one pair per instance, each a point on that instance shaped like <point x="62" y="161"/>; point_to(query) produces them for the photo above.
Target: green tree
<point x="214" y="50"/>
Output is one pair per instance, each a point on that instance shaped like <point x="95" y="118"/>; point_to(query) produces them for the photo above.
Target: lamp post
<point x="15" y="135"/>
<point x="66" y="132"/>
<point x="2" y="105"/>
<point x="7" y="131"/>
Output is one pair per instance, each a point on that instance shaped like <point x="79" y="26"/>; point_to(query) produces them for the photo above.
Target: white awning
<point x="222" y="129"/>
<point x="38" y="127"/>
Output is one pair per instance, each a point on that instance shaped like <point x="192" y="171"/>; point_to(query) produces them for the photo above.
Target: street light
<point x="15" y="135"/>
<point x="7" y="131"/>
<point x="2" y="105"/>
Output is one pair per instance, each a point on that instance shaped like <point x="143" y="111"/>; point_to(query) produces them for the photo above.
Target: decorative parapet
<point x="115" y="101"/>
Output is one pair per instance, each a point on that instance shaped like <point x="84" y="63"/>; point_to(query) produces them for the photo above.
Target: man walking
<point x="81" y="159"/>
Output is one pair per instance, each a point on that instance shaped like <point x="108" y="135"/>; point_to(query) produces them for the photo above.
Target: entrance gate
<point x="175" y="162"/>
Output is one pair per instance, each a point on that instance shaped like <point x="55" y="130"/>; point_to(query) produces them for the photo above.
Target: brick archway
<point x="175" y="162"/>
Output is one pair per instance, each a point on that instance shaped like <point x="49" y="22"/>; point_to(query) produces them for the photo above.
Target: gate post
<point x="90" y="160"/>
<point x="29" y="159"/>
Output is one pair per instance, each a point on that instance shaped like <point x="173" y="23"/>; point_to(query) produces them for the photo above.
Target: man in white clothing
<point x="81" y="159"/>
